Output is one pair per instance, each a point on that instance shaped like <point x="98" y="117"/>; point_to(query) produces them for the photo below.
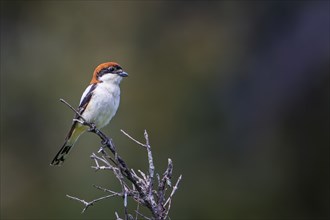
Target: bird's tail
<point x="70" y="140"/>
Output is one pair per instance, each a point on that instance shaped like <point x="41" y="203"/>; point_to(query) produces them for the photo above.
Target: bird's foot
<point x="79" y="121"/>
<point x="92" y="127"/>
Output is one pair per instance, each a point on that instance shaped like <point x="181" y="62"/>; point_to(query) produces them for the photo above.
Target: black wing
<point x="82" y="106"/>
<point x="84" y="103"/>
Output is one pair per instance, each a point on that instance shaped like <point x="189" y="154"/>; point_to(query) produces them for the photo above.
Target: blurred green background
<point x="236" y="93"/>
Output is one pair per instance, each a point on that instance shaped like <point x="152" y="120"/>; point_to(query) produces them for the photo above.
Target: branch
<point x="87" y="204"/>
<point x="139" y="187"/>
<point x="138" y="142"/>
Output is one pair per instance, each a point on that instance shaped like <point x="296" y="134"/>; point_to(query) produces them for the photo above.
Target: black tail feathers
<point x="61" y="155"/>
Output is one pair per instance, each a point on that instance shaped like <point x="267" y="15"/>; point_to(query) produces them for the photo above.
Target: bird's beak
<point x="123" y="74"/>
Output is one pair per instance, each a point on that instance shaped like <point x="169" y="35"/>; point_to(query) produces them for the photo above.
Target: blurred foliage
<point x="236" y="93"/>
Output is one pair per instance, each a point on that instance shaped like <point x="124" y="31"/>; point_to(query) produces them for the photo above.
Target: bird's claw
<point x="79" y="121"/>
<point x="92" y="127"/>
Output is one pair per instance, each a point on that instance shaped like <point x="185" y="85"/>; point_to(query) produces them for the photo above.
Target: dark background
<point x="235" y="93"/>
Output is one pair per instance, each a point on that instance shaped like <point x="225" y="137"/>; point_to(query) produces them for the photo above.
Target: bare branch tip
<point x="146" y="134"/>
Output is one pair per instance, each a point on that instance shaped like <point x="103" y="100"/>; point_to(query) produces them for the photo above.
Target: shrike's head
<point x="109" y="72"/>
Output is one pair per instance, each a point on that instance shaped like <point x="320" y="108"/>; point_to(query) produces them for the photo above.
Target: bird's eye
<point x="111" y="69"/>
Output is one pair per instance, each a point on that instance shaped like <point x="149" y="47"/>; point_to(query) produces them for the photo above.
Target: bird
<point x="98" y="104"/>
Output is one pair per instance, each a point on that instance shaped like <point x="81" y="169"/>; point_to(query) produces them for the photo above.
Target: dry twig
<point x="139" y="187"/>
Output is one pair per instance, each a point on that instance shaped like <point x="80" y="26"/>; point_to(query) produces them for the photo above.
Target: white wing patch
<point x="85" y="93"/>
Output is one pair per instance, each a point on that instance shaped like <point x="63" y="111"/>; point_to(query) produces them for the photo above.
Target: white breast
<point x="103" y="104"/>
